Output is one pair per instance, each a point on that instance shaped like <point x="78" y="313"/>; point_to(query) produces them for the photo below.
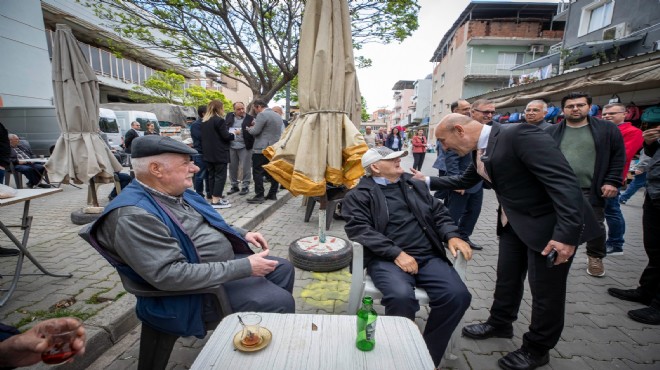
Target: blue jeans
<point x="465" y="210"/>
<point x="2" y="176"/>
<point x="639" y="181"/>
<point x="201" y="177"/>
<point x="616" y="225"/>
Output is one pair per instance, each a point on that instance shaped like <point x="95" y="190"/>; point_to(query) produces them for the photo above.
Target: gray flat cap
<point x="146" y="146"/>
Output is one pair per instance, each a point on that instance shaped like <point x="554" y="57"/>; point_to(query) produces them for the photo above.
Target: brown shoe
<point x="595" y="267"/>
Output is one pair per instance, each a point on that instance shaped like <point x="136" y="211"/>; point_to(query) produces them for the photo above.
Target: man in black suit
<point x="130" y="136"/>
<point x="541" y="212"/>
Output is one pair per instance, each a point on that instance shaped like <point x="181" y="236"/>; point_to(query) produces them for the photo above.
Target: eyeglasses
<point x="573" y="106"/>
<point x="485" y="112"/>
<point x="611" y="113"/>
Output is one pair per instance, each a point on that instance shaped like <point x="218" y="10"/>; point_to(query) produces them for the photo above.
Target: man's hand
<point x="609" y="191"/>
<point x="417" y="175"/>
<point x="406" y="263"/>
<point x="459" y="244"/>
<point x="652" y="134"/>
<point x="25" y="349"/>
<point x="564" y="251"/>
<point x="257" y="239"/>
<point x="260" y="265"/>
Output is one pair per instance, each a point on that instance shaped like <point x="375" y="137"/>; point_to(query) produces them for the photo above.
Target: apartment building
<point x="487" y="40"/>
<point x="404" y="90"/>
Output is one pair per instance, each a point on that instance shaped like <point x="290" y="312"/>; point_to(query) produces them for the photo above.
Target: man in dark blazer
<point x="130" y="136"/>
<point x="541" y="211"/>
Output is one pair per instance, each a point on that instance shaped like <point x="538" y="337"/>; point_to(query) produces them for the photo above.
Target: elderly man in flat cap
<point x="160" y="231"/>
<point x="403" y="228"/>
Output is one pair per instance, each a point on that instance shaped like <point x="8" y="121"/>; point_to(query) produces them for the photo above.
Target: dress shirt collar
<point x="482" y="143"/>
<point x="383" y="181"/>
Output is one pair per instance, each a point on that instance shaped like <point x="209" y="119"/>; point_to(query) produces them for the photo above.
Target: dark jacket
<point x="5" y="148"/>
<point x="216" y="140"/>
<point x="390" y="142"/>
<point x="24" y="147"/>
<point x="366" y="214"/>
<point x="196" y="135"/>
<point x="534" y="184"/>
<point x="653" y="170"/>
<point x="247" y="121"/>
<point x="610" y="155"/>
<point x="128" y="139"/>
<point x="457" y="165"/>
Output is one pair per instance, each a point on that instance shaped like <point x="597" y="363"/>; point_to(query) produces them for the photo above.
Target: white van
<point x="108" y="124"/>
<point x="125" y="117"/>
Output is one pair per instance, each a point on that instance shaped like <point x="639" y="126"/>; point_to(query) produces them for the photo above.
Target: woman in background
<point x="419" y="149"/>
<point x="394" y="140"/>
<point x="216" y="140"/>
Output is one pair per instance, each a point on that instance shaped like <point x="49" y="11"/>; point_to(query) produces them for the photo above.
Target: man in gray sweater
<point x="267" y="129"/>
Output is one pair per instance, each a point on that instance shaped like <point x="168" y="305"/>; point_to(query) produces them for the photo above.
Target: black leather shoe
<point x="244" y="191"/>
<point x="271" y="196"/>
<point x="258" y="199"/>
<point x="8" y="252"/>
<point x="647" y="315"/>
<point x="485" y="331"/>
<point x="522" y="360"/>
<point x="232" y="191"/>
<point x="632" y="295"/>
<point x="474" y="246"/>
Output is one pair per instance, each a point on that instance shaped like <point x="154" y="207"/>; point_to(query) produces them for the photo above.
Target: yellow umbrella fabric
<point x="323" y="145"/>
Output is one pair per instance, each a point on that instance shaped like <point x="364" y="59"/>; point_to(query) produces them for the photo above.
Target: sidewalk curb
<point x="112" y="323"/>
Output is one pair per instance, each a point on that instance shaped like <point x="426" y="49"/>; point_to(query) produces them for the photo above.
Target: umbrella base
<point x="79" y="217"/>
<point x="309" y="254"/>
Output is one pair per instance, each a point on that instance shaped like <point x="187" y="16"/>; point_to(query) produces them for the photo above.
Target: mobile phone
<point x="551" y="258"/>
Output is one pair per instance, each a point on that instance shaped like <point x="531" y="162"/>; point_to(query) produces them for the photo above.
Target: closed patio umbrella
<point x="322" y="147"/>
<point x="80" y="154"/>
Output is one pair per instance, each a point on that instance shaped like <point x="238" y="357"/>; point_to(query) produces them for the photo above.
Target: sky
<point x="408" y="60"/>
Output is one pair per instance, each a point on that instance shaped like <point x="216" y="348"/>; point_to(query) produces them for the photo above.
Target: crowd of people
<point x="557" y="184"/>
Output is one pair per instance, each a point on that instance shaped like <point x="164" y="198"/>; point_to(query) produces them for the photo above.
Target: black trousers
<point x="258" y="174"/>
<point x="217" y="177"/>
<point x="649" y="283"/>
<point x="418" y="160"/>
<point x="449" y="297"/>
<point x="548" y="287"/>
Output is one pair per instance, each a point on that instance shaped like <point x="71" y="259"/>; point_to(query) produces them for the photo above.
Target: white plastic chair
<point x="362" y="285"/>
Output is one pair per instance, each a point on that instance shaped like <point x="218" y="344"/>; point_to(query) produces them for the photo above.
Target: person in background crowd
<point x="130" y="136"/>
<point x="24" y="349"/>
<point x="240" y="150"/>
<point x="216" y="140"/>
<point x="535" y="113"/>
<point x="266" y="129"/>
<point x="5" y="152"/>
<point x="464" y="205"/>
<point x="594" y="149"/>
<point x="648" y="292"/>
<point x="419" y="149"/>
<point x="202" y="176"/>
<point x="632" y="142"/>
<point x="151" y="129"/>
<point x="482" y="110"/>
<point x="394" y="140"/>
<point x="639" y="178"/>
<point x="277" y="109"/>
<point x="369" y="137"/>
<point x="33" y="171"/>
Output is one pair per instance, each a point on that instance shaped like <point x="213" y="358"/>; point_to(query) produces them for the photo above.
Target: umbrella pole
<point x="92" y="192"/>
<point x="323" y="205"/>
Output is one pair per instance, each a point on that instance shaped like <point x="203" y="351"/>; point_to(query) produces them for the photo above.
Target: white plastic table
<point x="23" y="196"/>
<point x="296" y="345"/>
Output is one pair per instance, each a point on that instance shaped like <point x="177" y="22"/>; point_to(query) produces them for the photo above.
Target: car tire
<point x="306" y="254"/>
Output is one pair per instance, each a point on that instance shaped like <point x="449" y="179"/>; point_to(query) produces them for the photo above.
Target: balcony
<point x="492" y="71"/>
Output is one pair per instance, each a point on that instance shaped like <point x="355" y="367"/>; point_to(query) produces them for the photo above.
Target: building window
<point x="442" y="105"/>
<point x="596" y="16"/>
<point x="442" y="80"/>
<point x="509" y="60"/>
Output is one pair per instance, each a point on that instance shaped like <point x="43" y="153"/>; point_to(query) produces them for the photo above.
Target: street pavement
<point x="597" y="335"/>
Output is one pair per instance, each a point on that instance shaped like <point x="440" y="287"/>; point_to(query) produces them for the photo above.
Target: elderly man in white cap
<point x="403" y="230"/>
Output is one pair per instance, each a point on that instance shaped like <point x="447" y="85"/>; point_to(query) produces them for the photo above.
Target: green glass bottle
<point x="366" y="325"/>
